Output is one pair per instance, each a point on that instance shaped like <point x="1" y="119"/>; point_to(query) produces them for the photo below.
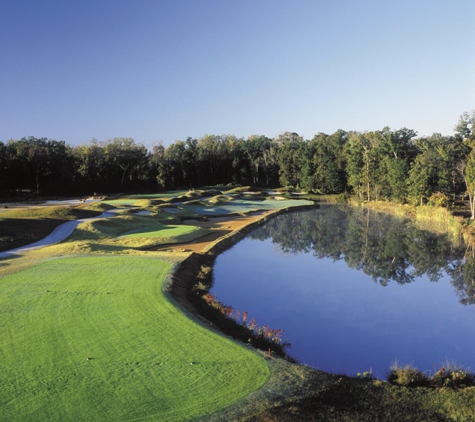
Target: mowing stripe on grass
<point x="95" y="339"/>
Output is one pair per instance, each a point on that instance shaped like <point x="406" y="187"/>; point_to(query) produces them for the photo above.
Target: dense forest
<point x="390" y="164"/>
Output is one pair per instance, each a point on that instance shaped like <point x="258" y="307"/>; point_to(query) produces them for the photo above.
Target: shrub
<point x="438" y="199"/>
<point x="205" y="272"/>
<point x="366" y="375"/>
<point x="454" y="377"/>
<point x="407" y="376"/>
<point x="343" y="198"/>
<point x="448" y="377"/>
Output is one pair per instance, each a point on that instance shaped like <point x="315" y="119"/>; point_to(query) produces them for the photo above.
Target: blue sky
<point x="162" y="70"/>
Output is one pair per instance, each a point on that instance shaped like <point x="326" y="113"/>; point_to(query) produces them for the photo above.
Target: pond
<point x="355" y="290"/>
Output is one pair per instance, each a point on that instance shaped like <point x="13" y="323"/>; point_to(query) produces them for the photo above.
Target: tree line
<point x="392" y="164"/>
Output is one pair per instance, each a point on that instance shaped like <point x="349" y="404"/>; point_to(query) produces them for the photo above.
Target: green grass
<point x="129" y="231"/>
<point x="160" y="234"/>
<point x="22" y="226"/>
<point x="121" y="202"/>
<point x="61" y="213"/>
<point x="110" y="307"/>
<point x="161" y="231"/>
<point x="168" y="194"/>
<point x="57" y="314"/>
<point x="236" y="206"/>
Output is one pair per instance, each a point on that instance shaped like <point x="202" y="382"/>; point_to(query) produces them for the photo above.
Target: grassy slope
<point x="42" y="379"/>
<point x="111" y="309"/>
<point x="243" y="206"/>
<point x="23" y="226"/>
<point x="161" y="231"/>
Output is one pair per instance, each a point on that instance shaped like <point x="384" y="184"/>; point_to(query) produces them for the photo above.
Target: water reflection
<point x="308" y="272"/>
<point x="384" y="247"/>
<point x="463" y="278"/>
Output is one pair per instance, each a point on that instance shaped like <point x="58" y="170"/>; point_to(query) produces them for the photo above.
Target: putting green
<point x="161" y="231"/>
<point x="95" y="339"/>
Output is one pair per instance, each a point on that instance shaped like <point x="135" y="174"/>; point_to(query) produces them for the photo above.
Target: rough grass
<point x="238" y="206"/>
<point x="96" y="206"/>
<point x="161" y="234"/>
<point x="22" y="226"/>
<point x="130" y="231"/>
<point x="300" y="393"/>
<point x="146" y="359"/>
<point x="62" y="213"/>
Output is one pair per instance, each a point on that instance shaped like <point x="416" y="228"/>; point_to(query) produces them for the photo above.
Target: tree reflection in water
<point x="322" y="296"/>
<point x="387" y="248"/>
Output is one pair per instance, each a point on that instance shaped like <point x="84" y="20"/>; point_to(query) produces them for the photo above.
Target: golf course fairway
<point x="95" y="339"/>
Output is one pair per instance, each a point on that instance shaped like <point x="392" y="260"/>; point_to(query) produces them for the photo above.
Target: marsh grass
<point x="449" y="375"/>
<point x="435" y="219"/>
<point x="191" y="284"/>
<point x="438" y="220"/>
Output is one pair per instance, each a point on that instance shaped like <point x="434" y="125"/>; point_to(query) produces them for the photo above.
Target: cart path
<point x="57" y="235"/>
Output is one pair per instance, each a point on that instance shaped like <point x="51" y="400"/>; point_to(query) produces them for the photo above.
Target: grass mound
<point x="160" y="234"/>
<point x="239" y="206"/>
<point x="60" y="213"/>
<point x="121" y="202"/>
<point x="20" y="227"/>
<point x="160" y="231"/>
<point x="97" y="206"/>
<point x="168" y="194"/>
<point x="94" y="338"/>
<point x="108" y="227"/>
<point x="195" y="194"/>
<point x="219" y="199"/>
<point x="144" y="203"/>
<point x="130" y="231"/>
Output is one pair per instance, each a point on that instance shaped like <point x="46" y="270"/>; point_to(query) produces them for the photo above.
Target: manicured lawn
<point x="161" y="231"/>
<point x="56" y="315"/>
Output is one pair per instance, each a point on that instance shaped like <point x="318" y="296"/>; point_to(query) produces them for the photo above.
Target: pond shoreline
<point x="181" y="283"/>
<point x="291" y="385"/>
<point x="288" y="377"/>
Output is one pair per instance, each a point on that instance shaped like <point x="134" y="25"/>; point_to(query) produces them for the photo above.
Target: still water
<point x="355" y="290"/>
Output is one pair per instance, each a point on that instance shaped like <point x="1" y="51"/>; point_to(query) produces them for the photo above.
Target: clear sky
<point x="162" y="70"/>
